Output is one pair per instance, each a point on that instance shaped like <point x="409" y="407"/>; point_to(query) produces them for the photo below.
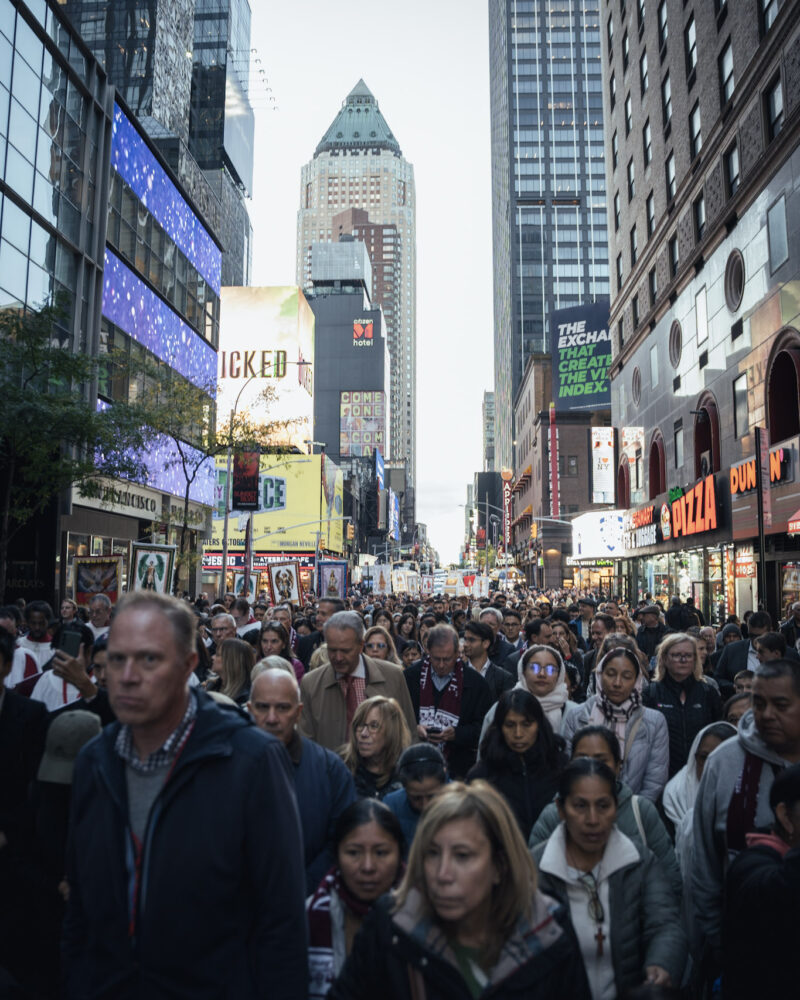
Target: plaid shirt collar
<point x="167" y="752"/>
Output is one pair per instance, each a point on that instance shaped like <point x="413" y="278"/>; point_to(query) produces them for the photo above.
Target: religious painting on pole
<point x="284" y="580"/>
<point x="603" y="477"/>
<point x="362" y="422"/>
<point x="245" y="585"/>
<point x="94" y="575"/>
<point x="332" y="578"/>
<point x="580" y="347"/>
<point x="151" y="567"/>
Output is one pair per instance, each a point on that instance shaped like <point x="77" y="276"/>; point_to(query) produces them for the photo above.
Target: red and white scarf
<point x="448" y="711"/>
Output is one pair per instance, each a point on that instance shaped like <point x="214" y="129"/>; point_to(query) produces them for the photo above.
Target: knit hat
<point x="731" y="629"/>
<point x="67" y="734"/>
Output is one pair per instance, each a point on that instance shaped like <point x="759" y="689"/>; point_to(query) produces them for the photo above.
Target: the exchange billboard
<point x="580" y="346"/>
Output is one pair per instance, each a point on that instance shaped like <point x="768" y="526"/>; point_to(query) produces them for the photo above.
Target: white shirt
<point x="54" y="692"/>
<point x="39" y="652"/>
<point x="99" y="630"/>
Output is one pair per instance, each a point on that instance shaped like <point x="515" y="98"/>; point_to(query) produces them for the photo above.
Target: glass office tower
<point x="550" y="239"/>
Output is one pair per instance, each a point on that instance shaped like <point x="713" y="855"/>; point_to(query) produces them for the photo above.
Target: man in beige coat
<point x="331" y="693"/>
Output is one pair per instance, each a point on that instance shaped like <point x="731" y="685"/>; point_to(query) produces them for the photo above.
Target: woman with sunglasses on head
<point x="683" y="694"/>
<point x="378" y="736"/>
<point x="641" y="732"/>
<point x="521" y="756"/>
<point x="274" y="641"/>
<point x="625" y="913"/>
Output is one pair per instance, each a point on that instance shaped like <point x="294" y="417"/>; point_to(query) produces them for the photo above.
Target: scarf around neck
<point x="552" y="703"/>
<point x="320" y="930"/>
<point x="449" y="708"/>
<point x="616" y="717"/>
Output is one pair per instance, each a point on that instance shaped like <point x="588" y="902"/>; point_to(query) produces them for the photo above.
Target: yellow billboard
<point x="266" y="340"/>
<point x="301" y="501"/>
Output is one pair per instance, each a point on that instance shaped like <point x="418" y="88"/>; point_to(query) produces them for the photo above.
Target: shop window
<point x="783" y="394"/>
<point x="741" y="420"/>
<point x="706" y="436"/>
<point x="657" y="467"/>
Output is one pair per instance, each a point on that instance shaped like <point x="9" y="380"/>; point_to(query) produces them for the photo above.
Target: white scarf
<point x="554" y="702"/>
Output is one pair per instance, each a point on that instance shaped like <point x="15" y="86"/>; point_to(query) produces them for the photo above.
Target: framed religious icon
<point x="151" y="567"/>
<point x="95" y="575"/>
<point x="284" y="581"/>
<point x="332" y="578"/>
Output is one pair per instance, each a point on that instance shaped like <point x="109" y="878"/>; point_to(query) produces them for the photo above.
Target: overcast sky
<point x="427" y="63"/>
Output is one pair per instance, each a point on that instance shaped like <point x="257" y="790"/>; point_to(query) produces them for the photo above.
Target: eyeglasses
<point x="542" y="668"/>
<point x="372" y="726"/>
<point x="683" y="657"/>
<point x="596" y="911"/>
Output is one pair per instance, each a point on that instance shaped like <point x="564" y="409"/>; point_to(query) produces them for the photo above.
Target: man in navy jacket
<point x="185" y="857"/>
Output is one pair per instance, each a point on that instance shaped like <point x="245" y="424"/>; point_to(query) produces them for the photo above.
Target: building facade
<point x="358" y="164"/>
<point x="182" y="67"/>
<point x="702" y="169"/>
<point x="487" y="421"/>
<point x="549" y="234"/>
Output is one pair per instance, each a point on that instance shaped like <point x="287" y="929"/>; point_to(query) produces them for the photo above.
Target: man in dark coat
<point x="651" y="631"/>
<point x="185" y="857"/>
<point x="450" y="700"/>
<point x="737" y="656"/>
<point x="477" y="640"/>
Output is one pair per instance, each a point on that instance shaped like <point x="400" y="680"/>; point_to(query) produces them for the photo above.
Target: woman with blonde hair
<point x="467" y="918"/>
<point x="378" y="735"/>
<point x="232" y="664"/>
<point x="380" y="645"/>
<point x="682" y="693"/>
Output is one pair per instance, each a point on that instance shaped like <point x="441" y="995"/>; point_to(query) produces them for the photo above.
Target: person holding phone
<point x="68" y="678"/>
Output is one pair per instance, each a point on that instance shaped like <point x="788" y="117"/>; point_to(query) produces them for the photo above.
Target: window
<point x="732" y="169"/>
<point x="776" y="234"/>
<point x="631" y="181"/>
<point x="572" y="465"/>
<point x="666" y="100"/>
<point x="663" y="30"/>
<point x="774" y="100"/>
<point x="700" y="217"/>
<point x="741" y="421"/>
<point x="628" y="115"/>
<point x="726" y="82"/>
<point x="614" y="150"/>
<point x="620" y="333"/>
<point x="695" y="133"/>
<point x="769" y="11"/>
<point x="610" y="36"/>
<point x="701" y="316"/>
<point x="690" y="49"/>
<point x="651" y="214"/>
<point x="612" y="90"/>
<point x="616" y="211"/>
<point x="654" y="365"/>
<point x="647" y="143"/>
<point x="640" y="7"/>
<point x="634" y="246"/>
<point x="643" y="78"/>
<point x="673" y="256"/>
<point x="619" y="272"/>
<point x="626" y="52"/>
<point x="672" y="184"/>
<point x="635" y="311"/>
<point x="678" y="438"/>
<point x="652" y="282"/>
<point x="675" y="343"/>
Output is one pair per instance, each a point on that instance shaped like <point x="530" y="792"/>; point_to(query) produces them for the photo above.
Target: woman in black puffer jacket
<point x="521" y="757"/>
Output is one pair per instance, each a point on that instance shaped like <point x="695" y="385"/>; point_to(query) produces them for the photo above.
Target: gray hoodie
<point x="709" y="842"/>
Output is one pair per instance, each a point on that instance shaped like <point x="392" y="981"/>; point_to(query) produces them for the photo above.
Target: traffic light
<point x="351" y="532"/>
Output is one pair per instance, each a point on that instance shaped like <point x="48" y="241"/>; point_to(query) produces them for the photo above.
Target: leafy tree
<point x="52" y="433"/>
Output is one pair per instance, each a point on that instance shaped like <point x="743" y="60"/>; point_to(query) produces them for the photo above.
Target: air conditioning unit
<point x="705" y="464"/>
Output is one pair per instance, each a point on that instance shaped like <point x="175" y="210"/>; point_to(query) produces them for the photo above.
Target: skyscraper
<point x="548" y="180"/>
<point x="358" y="164"/>
<point x="488" y="431"/>
<point x="182" y="66"/>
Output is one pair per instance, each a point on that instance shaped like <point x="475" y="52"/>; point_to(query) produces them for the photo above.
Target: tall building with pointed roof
<point x="358" y="164"/>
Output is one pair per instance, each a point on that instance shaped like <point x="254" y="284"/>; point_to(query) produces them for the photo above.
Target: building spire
<point x="359" y="125"/>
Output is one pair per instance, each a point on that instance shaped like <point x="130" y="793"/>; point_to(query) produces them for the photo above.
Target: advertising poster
<point x="332" y="578"/>
<point x="602" y="442"/>
<point x="95" y="575"/>
<point x="362" y="422"/>
<point x="380" y="470"/>
<point x="151" y="567"/>
<point x="580" y="346"/>
<point x="266" y="342"/>
<point x="394" y="516"/>
<point x="245" y="480"/>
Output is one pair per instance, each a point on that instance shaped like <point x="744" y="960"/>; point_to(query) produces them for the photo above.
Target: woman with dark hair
<point x="274" y="641"/>
<point x="459" y="621"/>
<point x="735" y="707"/>
<point x="406" y="631"/>
<point x="421" y="771"/>
<point x="467" y="919"/>
<point x="625" y="913"/>
<point x="412" y="651"/>
<point x="641" y="732"/>
<point x="368" y="845"/>
<point x="637" y="817"/>
<point x="385" y="619"/>
<point x="521" y="756"/>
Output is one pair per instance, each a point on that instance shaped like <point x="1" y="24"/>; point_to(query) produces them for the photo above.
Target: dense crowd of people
<point x="530" y="795"/>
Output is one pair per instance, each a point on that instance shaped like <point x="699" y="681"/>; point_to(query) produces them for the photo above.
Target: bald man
<point x="323" y="785"/>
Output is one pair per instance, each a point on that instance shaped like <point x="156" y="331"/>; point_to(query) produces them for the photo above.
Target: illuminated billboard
<point x="362" y="422"/>
<point x="266" y="341"/>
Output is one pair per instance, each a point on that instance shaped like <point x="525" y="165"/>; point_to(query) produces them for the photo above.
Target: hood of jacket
<point x="751" y="741"/>
<point x="620" y="852"/>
